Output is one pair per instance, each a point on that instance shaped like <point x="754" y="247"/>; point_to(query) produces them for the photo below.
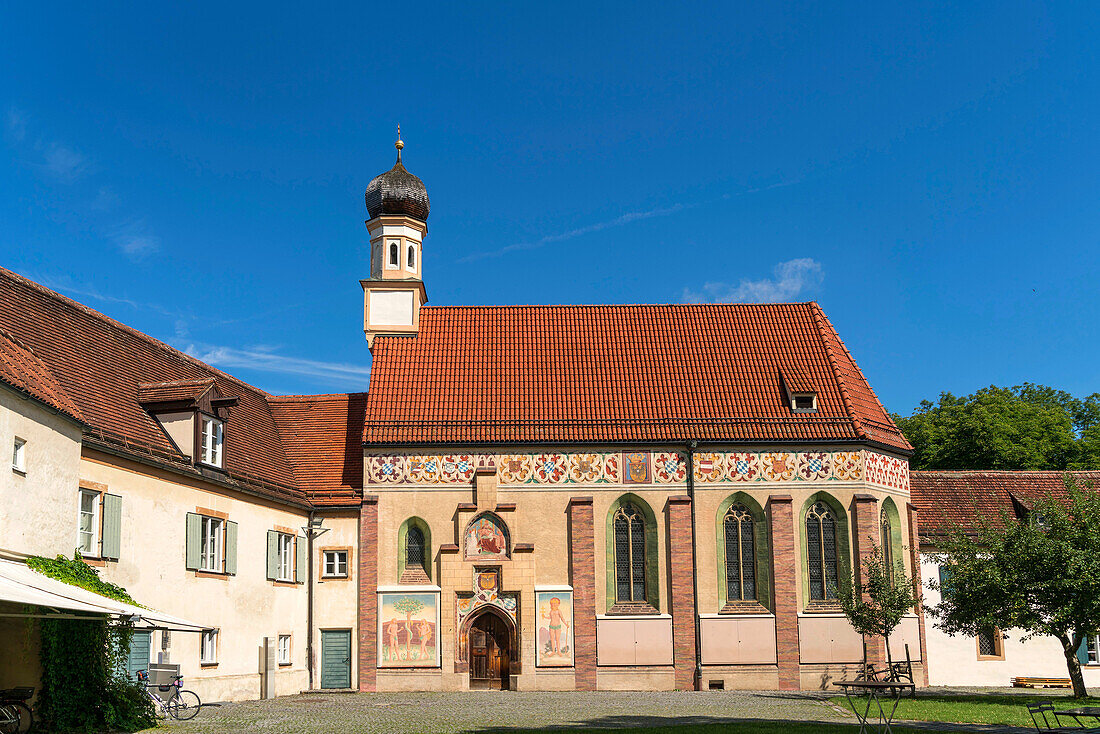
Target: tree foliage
<point x="1024" y="427"/>
<point x="1039" y="575"/>
<point x="876" y="605"/>
<point x="84" y="683"/>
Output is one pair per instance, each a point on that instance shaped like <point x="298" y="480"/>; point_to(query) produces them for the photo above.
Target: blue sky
<point x="930" y="175"/>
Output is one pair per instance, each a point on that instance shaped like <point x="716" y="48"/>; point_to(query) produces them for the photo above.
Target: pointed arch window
<point x="822" y="552"/>
<point x="740" y="554"/>
<point x="395" y="256"/>
<point x="886" y="540"/>
<point x="412" y="257"/>
<point x="630" y="551"/>
<point x="414" y="548"/>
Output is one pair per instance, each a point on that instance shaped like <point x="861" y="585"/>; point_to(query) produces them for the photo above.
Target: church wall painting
<point x="408" y="630"/>
<point x="486" y="537"/>
<point x="554" y="643"/>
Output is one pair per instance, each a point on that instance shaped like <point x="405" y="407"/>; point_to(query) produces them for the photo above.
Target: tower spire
<point x="399" y="144"/>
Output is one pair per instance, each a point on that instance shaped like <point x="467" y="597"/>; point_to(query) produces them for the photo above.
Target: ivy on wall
<point x="84" y="683"/>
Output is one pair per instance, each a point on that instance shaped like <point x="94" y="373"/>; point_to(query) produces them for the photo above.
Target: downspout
<point x="309" y="599"/>
<point x="694" y="565"/>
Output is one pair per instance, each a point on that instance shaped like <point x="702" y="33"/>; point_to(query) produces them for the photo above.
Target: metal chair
<point x="1041" y="710"/>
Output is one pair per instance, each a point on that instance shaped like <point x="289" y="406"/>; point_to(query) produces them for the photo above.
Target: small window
<point x="989" y="643"/>
<point x="212" y="556"/>
<point x="212" y="435"/>
<point x="208" y="654"/>
<point x="286" y="557"/>
<point x="1092" y="645"/>
<point x="886" y="539"/>
<point x="395" y="256"/>
<point x="412" y="257"/>
<point x="804" y="402"/>
<point x="88" y="524"/>
<point x="284" y="649"/>
<point x="19" y="455"/>
<point x="336" y="563"/>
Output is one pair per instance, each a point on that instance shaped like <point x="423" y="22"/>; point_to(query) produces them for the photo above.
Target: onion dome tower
<point x="397" y="211"/>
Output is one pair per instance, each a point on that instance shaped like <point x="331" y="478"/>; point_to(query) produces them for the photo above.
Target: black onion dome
<point x="397" y="192"/>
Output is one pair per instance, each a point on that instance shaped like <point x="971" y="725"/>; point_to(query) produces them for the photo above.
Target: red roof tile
<point x="173" y="390"/>
<point x="946" y="500"/>
<point x="322" y="435"/>
<point x="20" y="368"/>
<point x="100" y="363"/>
<point x="618" y="373"/>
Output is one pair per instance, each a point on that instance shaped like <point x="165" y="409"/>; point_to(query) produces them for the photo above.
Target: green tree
<point x="1040" y="575"/>
<point x="1024" y="427"/>
<point x="409" y="606"/>
<point x="876" y="607"/>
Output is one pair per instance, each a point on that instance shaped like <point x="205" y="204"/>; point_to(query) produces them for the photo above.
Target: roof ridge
<point x="469" y="306"/>
<point x="188" y="381"/>
<point x="321" y="396"/>
<point x="27" y="282"/>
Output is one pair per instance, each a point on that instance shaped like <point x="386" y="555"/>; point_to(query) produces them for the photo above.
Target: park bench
<point x="1024" y="682"/>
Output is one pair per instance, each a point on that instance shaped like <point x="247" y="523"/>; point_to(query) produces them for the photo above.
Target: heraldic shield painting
<point x="486" y="538"/>
<point x="408" y="630"/>
<point x="555" y="636"/>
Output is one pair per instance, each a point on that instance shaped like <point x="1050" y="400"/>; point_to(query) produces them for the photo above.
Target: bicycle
<point x="181" y="704"/>
<point x="15" y="714"/>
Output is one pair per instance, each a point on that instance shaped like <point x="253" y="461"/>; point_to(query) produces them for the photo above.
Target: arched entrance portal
<point x="490" y="652"/>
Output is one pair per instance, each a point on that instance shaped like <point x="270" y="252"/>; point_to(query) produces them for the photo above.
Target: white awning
<point x="20" y="584"/>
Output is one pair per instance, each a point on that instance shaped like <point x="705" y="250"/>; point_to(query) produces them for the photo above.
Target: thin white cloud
<point x="63" y="163"/>
<point x="134" y="240"/>
<point x="17" y="124"/>
<point x="619" y="221"/>
<point x="792" y="279"/>
<point x="265" y="359"/>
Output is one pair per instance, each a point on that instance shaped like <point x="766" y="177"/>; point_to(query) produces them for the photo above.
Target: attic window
<point x="213" y="432"/>
<point x="805" y="402"/>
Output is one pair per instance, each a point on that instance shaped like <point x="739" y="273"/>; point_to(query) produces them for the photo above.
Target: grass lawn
<point x="978" y="708"/>
<point x="746" y="727"/>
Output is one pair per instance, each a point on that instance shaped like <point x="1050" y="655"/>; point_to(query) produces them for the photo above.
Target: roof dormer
<point x="798" y="391"/>
<point x="192" y="414"/>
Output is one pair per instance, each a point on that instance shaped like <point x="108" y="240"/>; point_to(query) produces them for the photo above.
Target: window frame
<point x="632" y="515"/>
<point x="209" y="636"/>
<point x="19" y="455"/>
<point x="410" y="257"/>
<point x="1092" y="649"/>
<point x="287" y="659"/>
<point x="998" y="645"/>
<point x="840" y="540"/>
<point x="336" y="553"/>
<point x="211" y="445"/>
<point x="393" y="255"/>
<point x="96" y="523"/>
<point x="285" y="546"/>
<point x="803" y="395"/>
<point x="740" y="513"/>
<point x="212" y="533"/>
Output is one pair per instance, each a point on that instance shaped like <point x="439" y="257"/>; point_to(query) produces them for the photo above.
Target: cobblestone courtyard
<point x="396" y="713"/>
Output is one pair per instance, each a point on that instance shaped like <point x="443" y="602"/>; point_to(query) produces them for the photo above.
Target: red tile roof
<point x="173" y="390"/>
<point x="946" y="500"/>
<point x="100" y="365"/>
<point x="20" y="368"/>
<point x="322" y="436"/>
<point x="495" y="375"/>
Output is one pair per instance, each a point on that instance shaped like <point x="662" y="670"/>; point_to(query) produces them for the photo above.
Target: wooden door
<point x="490" y="644"/>
<point x="335" y="658"/>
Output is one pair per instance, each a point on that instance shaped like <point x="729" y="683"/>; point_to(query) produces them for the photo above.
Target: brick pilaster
<point x="784" y="590"/>
<point x="368" y="592"/>
<point x="918" y="586"/>
<point x="682" y="604"/>
<point x="866" y="530"/>
<point x="582" y="571"/>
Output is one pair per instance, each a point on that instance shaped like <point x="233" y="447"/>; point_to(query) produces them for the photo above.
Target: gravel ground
<point x="396" y="713"/>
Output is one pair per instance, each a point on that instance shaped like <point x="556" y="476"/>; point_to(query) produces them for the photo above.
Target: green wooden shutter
<point x="138" y="657"/>
<point x="112" y="525"/>
<point x="1083" y="651"/>
<point x="272" y="555"/>
<point x="194" y="540"/>
<point x="945" y="578"/>
<point x="231" y="547"/>
<point x="300" y="566"/>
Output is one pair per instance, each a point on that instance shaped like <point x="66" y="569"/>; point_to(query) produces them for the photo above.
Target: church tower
<point x="397" y="210"/>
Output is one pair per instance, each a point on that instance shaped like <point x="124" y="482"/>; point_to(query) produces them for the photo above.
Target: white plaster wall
<point x="38" y="509"/>
<point x="953" y="661"/>
<point x="245" y="607"/>
<point x="335" y="603"/>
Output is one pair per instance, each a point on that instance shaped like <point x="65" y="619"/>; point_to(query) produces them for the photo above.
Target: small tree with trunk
<point x="876" y="604"/>
<point x="409" y="606"/>
<point x="1039" y="574"/>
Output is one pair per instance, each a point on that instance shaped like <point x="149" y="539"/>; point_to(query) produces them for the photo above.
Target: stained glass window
<point x="740" y="554"/>
<point x="885" y="541"/>
<point x="414" y="548"/>
<point x="822" y="552"/>
<point x="630" y="559"/>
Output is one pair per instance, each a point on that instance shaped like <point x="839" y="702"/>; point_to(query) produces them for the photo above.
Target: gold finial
<point x="399" y="144"/>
